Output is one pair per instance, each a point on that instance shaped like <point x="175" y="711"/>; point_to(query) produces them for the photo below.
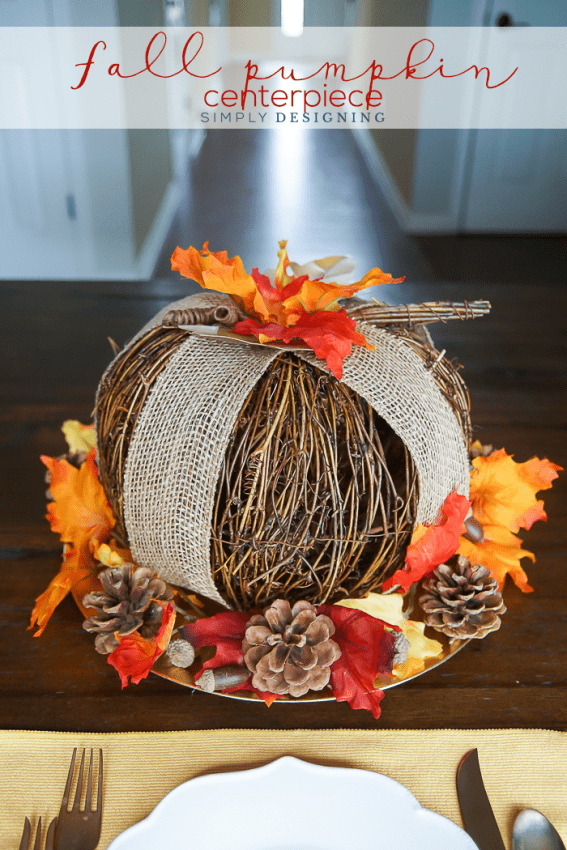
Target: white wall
<point x="83" y="204"/>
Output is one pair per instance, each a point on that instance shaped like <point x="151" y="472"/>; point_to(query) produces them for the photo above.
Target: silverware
<point x="533" y="831"/>
<point x="25" y="843"/>
<point x="476" y="811"/>
<point x="76" y="829"/>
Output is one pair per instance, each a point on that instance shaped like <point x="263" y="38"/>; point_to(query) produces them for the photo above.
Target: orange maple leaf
<point x="81" y="515"/>
<point x="215" y="270"/>
<point x="316" y="295"/>
<point x="135" y="656"/>
<point x="283" y="303"/>
<point x="503" y="491"/>
<point x="292" y="302"/>
<point x="500" y="552"/>
<point x="503" y="497"/>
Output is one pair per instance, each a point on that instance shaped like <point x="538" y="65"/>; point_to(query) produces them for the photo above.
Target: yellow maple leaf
<point x="388" y="607"/>
<point x="112" y="556"/>
<point x="503" y="491"/>
<point x="81" y="515"/>
<point x="421" y="648"/>
<point x="501" y="553"/>
<point x="80" y="438"/>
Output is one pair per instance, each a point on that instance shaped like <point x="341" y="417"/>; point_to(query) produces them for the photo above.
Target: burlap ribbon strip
<point x="180" y="439"/>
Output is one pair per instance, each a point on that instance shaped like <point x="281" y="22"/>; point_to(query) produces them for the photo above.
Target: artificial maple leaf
<point x="268" y="697"/>
<point x="367" y="650"/>
<point x="135" y="656"/>
<point x="112" y="556"/>
<point x="80" y="438"/>
<point x="216" y="271"/>
<point x="501" y="553"/>
<point x="81" y="515"/>
<point x="388" y="609"/>
<point x="317" y="295"/>
<point x="89" y="584"/>
<point x="330" y="335"/>
<point x="285" y="301"/>
<point x="277" y="300"/>
<point x="296" y="302"/>
<point x="80" y="511"/>
<point x="420" y="649"/>
<point x="503" y="491"/>
<point x="434" y="546"/>
<point x="69" y="576"/>
<point x="225" y="631"/>
<point x="193" y="264"/>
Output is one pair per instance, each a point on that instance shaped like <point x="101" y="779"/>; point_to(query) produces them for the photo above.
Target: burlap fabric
<point x="180" y="439"/>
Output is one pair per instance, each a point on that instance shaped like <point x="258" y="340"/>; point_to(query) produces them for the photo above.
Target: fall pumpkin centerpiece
<point x="294" y="468"/>
<point x="292" y="454"/>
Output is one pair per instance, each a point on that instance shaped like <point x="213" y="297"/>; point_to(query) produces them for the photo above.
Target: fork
<point x="26" y="843"/>
<point x="76" y="829"/>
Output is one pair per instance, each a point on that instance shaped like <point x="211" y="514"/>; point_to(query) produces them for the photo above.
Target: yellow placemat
<point x="521" y="768"/>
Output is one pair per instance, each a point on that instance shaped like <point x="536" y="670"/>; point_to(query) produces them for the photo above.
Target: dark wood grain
<point x="515" y="363"/>
<point x="55" y="350"/>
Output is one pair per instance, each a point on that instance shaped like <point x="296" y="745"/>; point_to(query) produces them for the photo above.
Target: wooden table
<point x="55" y="350"/>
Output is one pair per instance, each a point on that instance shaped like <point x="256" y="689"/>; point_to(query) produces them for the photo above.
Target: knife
<point x="476" y="811"/>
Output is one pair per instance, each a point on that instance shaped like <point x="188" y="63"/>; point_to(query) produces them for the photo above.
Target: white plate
<point x="293" y="805"/>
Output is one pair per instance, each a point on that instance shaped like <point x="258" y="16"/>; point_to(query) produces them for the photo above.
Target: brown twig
<point x="317" y="496"/>
<point x="425" y="313"/>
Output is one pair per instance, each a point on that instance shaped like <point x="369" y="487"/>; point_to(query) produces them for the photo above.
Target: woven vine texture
<point x="180" y="439"/>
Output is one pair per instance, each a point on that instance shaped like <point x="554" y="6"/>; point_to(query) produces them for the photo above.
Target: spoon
<point x="533" y="831"/>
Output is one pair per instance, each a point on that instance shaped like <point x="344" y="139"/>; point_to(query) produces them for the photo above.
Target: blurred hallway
<point x="246" y="190"/>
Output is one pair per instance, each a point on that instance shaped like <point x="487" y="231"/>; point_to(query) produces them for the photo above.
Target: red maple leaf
<point x="330" y="335"/>
<point x="434" y="546"/>
<point x="135" y="655"/>
<point x="268" y="697"/>
<point x="225" y="632"/>
<point x="367" y="650"/>
<point x="278" y="294"/>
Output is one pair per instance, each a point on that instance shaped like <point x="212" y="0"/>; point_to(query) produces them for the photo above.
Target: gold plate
<point x="185" y="677"/>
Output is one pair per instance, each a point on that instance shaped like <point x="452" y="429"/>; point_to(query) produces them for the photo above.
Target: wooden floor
<point x="247" y="190"/>
<point x="54" y="352"/>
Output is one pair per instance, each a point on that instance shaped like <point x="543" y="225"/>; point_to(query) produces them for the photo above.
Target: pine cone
<point x="288" y="649"/>
<point x="128" y="603"/>
<point x="462" y="601"/>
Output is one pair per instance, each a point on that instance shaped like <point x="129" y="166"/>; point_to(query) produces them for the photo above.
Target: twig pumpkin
<point x="248" y="473"/>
